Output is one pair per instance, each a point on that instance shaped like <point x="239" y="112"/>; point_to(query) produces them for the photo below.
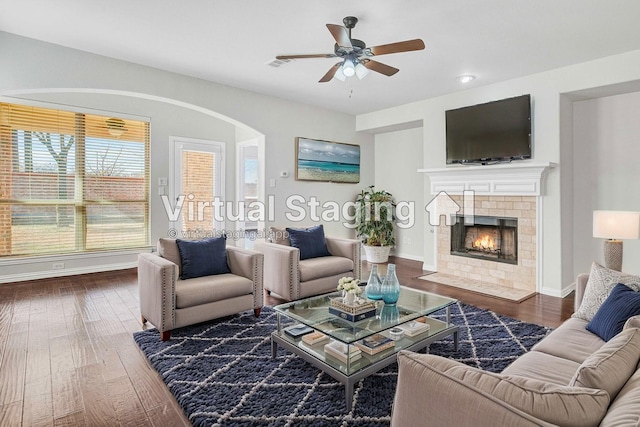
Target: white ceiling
<point x="230" y="42"/>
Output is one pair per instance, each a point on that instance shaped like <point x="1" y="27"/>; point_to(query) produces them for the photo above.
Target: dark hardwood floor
<point x="67" y="356"/>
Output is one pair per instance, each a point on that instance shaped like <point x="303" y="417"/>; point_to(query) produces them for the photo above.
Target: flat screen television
<point x="498" y="131"/>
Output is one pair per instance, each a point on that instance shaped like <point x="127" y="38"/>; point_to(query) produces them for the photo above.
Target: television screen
<point x="497" y="131"/>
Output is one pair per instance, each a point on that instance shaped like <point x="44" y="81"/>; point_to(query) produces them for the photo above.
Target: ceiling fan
<point x="355" y="55"/>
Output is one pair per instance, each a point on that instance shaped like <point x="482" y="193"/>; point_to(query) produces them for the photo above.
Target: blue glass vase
<point x="374" y="284"/>
<point x="390" y="286"/>
<point x="389" y="314"/>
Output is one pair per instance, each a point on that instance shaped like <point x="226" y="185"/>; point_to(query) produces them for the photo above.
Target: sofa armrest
<point x="281" y="269"/>
<point x="581" y="285"/>
<point x="157" y="286"/>
<point x="249" y="264"/>
<point x="432" y="387"/>
<point x="347" y="248"/>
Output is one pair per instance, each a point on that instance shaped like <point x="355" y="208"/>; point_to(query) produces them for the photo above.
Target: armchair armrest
<point x="249" y="264"/>
<point x="581" y="285"/>
<point x="432" y="387"/>
<point x="281" y="269"/>
<point x="347" y="248"/>
<point x="157" y="286"/>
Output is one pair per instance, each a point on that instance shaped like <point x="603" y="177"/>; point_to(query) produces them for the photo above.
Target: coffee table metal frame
<point x="278" y="338"/>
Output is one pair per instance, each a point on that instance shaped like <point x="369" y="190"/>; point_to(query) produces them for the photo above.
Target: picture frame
<point x="327" y="161"/>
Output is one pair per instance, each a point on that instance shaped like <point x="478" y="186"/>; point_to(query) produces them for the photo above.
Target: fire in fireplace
<point x="489" y="237"/>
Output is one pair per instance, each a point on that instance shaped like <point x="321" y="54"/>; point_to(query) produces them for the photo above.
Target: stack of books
<point x="375" y="344"/>
<point x="339" y="351"/>
<point x="314" y="338"/>
<point x="363" y="309"/>
<point x="296" y="331"/>
<point x="416" y="327"/>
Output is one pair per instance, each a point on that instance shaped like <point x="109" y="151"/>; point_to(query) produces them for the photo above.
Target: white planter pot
<point x="377" y="254"/>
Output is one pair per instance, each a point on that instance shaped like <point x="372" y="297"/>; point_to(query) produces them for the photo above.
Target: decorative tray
<point x="361" y="305"/>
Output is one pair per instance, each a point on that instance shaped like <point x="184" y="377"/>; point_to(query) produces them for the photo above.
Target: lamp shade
<point x="616" y="224"/>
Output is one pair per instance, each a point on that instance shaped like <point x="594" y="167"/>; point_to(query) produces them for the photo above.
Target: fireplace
<point x="489" y="237"/>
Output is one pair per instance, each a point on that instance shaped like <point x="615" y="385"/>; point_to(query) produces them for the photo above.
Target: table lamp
<point x="615" y="226"/>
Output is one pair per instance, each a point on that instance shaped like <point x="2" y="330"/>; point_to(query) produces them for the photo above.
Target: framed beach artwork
<point x="327" y="161"/>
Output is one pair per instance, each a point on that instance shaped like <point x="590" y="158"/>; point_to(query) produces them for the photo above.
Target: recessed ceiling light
<point x="466" y="78"/>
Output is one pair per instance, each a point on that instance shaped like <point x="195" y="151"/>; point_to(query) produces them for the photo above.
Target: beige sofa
<point x="570" y="378"/>
<point x="291" y="278"/>
<point x="169" y="302"/>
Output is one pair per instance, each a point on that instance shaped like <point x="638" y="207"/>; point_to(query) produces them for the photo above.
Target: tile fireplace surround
<point x="499" y="190"/>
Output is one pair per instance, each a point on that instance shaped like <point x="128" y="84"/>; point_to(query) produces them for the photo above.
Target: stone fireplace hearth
<point x="519" y="270"/>
<point x="501" y="247"/>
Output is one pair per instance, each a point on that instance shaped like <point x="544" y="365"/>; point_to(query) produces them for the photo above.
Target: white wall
<point x="177" y="106"/>
<point x="398" y="156"/>
<point x="547" y="90"/>
<point x="606" y="154"/>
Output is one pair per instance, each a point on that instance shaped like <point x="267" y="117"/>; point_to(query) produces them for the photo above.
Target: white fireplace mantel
<point x="522" y="179"/>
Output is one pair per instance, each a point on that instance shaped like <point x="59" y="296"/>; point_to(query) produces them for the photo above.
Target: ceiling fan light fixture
<point x="465" y="78"/>
<point x="348" y="68"/>
<point x="340" y="75"/>
<point x="361" y="71"/>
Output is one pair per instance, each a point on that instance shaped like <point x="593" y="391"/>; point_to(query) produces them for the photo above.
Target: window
<point x="71" y="182"/>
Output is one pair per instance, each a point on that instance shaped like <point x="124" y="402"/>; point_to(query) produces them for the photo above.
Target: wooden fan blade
<point x="405" y="46"/>
<point x="318" y="55"/>
<point x="332" y="71"/>
<point x="381" y="68"/>
<point x="340" y="34"/>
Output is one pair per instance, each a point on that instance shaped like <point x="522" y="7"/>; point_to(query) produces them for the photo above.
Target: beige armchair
<point x="169" y="302"/>
<point x="291" y="278"/>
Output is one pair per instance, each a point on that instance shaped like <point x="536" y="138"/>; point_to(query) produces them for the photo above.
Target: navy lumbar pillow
<point x="204" y="257"/>
<point x="310" y="241"/>
<point x="621" y="304"/>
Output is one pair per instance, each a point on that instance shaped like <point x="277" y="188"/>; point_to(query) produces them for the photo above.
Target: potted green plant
<point x="375" y="220"/>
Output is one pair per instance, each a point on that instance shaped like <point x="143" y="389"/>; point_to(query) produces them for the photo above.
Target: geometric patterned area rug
<point x="222" y="374"/>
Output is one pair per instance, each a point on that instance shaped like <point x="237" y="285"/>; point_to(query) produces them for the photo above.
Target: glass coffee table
<point x="312" y="315"/>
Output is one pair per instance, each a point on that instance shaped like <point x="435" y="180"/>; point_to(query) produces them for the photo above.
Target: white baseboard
<point x="47" y="274"/>
<point x="558" y="293"/>
<point x="408" y="256"/>
<point x="428" y="267"/>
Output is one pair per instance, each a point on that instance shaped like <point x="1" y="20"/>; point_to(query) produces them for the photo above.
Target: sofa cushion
<point x="621" y="304"/>
<point x="543" y="367"/>
<point x="632" y="322"/>
<point x="559" y="405"/>
<point x="310" y="241"/>
<point x="601" y="282"/>
<point x="610" y="367"/>
<point x="168" y="249"/>
<point x="204" y="257"/>
<point x="570" y="341"/>
<point x="623" y="411"/>
<point x="315" y="268"/>
<point x="206" y="289"/>
<point x="279" y="235"/>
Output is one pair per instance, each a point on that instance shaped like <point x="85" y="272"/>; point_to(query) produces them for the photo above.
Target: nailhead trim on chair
<point x="257" y="274"/>
<point x="164" y="298"/>
<point x="357" y="263"/>
<point x="294" y="282"/>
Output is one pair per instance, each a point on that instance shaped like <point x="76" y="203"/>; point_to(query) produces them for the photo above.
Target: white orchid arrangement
<point x="349" y="284"/>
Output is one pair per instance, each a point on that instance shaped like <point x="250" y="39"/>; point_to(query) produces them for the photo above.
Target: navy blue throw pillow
<point x="204" y="257"/>
<point x="310" y="241"/>
<point x="621" y="304"/>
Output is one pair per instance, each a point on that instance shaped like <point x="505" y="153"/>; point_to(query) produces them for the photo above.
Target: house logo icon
<point x="444" y="205"/>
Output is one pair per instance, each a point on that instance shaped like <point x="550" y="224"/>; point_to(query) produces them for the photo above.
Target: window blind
<point x="71" y="182"/>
